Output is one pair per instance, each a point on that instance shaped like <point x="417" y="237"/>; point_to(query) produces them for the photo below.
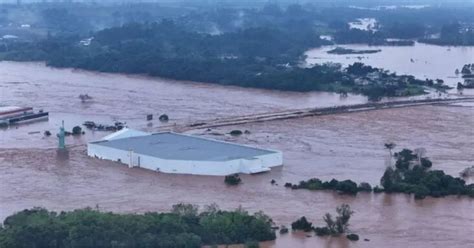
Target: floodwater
<point x="420" y="60"/>
<point x="346" y="146"/>
<point x="130" y="98"/>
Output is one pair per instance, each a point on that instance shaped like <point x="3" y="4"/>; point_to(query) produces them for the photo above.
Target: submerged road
<point x="300" y="113"/>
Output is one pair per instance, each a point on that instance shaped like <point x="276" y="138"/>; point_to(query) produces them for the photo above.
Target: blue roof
<point x="175" y="146"/>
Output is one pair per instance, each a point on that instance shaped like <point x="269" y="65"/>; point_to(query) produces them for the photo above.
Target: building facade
<point x="183" y="154"/>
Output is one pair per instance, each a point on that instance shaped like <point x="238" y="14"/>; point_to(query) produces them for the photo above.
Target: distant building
<point x="183" y="154"/>
<point x="9" y="37"/>
<point x="86" y="42"/>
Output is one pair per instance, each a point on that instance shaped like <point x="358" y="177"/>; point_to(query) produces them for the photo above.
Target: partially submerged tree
<point x="338" y="225"/>
<point x="232" y="179"/>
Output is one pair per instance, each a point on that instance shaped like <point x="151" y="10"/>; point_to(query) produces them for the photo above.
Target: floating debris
<point x="85" y="97"/>
<point x="101" y="127"/>
<point x="16" y="115"/>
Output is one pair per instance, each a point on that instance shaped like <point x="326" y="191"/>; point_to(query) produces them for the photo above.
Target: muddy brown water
<point x="347" y="146"/>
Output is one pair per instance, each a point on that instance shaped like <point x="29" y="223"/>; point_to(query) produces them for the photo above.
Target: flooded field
<point x="346" y="146"/>
<point x="420" y="60"/>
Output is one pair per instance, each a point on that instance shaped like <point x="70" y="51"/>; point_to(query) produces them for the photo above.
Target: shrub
<point x="338" y="225"/>
<point x="352" y="237"/>
<point x="347" y="186"/>
<point x="77" y="130"/>
<point x="420" y="180"/>
<point x="252" y="244"/>
<point x="235" y="132"/>
<point x="163" y="118"/>
<point x="364" y="187"/>
<point x="233" y="179"/>
<point x="302" y="224"/>
<point x="426" y="163"/>
<point x="420" y="192"/>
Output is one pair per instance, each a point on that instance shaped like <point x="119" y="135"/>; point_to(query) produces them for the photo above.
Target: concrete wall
<point x="213" y="168"/>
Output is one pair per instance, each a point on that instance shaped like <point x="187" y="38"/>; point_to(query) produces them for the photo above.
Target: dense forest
<point x="184" y="227"/>
<point x="262" y="48"/>
<point x="267" y="58"/>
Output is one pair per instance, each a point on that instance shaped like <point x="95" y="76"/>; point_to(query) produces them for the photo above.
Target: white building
<point x="178" y="153"/>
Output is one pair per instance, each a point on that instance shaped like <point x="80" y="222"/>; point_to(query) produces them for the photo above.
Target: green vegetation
<point x="365" y="187"/>
<point x="336" y="226"/>
<point x="344" y="187"/>
<point x="302" y="224"/>
<point x="251" y="244"/>
<point x="77" y="130"/>
<point x="467" y="72"/>
<point x="232" y="179"/>
<point x="412" y="174"/>
<point x="183" y="227"/>
<point x="267" y="52"/>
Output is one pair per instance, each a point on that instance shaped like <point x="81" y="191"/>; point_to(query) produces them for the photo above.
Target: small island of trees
<point x="411" y="174"/>
<point x="335" y="226"/>
<point x="184" y="227"/>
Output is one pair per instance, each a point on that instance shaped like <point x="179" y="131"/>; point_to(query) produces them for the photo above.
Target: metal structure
<point x="183" y="154"/>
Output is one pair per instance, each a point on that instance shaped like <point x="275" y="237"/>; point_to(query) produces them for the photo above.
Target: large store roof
<point x="173" y="146"/>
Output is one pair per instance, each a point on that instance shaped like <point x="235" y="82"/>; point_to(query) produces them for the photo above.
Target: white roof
<point x="9" y="36"/>
<point x="174" y="146"/>
<point x="125" y="133"/>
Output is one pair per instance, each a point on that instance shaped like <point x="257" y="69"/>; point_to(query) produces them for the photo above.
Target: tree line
<point x="411" y="174"/>
<point x="184" y="227"/>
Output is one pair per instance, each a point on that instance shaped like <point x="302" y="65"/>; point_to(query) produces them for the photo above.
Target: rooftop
<point x="175" y="146"/>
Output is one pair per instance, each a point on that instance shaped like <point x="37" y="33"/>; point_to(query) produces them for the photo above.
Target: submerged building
<point x="184" y="154"/>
